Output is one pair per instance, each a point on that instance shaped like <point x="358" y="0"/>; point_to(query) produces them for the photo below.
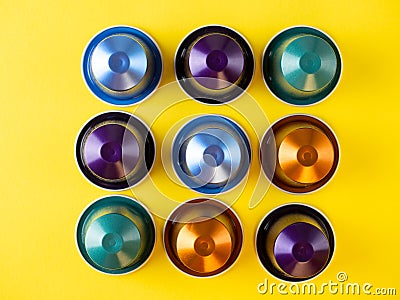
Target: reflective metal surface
<point x="203" y="237"/>
<point x="308" y="63"/>
<point x="204" y="245"/>
<point x="214" y="64"/>
<point x="306" y="152"/>
<point x="119" y="62"/>
<point x="301" y="250"/>
<point x="301" y="65"/>
<point x="306" y="155"/>
<point x="115" y="150"/>
<point x="106" y="147"/>
<point x="122" y="65"/>
<point x="216" y="56"/>
<point x="295" y="242"/>
<point x="115" y="235"/>
<point x="112" y="241"/>
<point x="211" y="154"/>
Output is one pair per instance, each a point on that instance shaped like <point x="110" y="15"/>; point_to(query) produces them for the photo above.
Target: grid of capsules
<point x="211" y="154"/>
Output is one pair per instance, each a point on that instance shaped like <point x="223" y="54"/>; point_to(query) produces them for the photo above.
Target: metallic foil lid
<point x="203" y="237"/>
<point x="295" y="242"/>
<point x="204" y="245"/>
<point x="216" y="56"/>
<point x="122" y="65"/>
<point x="115" y="235"/>
<point x="219" y="60"/>
<point x="211" y="154"/>
<point x="305" y="150"/>
<point x="115" y="150"/>
<point x="301" y="250"/>
<point x="301" y="65"/>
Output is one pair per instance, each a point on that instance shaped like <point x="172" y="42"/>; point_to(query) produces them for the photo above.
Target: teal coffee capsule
<point x="301" y="65"/>
<point x="115" y="235"/>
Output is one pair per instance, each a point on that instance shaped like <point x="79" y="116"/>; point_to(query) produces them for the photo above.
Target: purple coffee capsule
<point x="115" y="150"/>
<point x="214" y="64"/>
<point x="295" y="242"/>
<point x="301" y="249"/>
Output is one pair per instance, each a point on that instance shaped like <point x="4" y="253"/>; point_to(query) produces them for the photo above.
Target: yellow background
<point x="44" y="103"/>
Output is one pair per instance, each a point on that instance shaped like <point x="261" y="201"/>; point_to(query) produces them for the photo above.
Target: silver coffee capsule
<point x="211" y="154"/>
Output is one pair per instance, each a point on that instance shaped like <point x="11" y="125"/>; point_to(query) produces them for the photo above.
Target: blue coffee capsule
<point x="115" y="235"/>
<point x="211" y="154"/>
<point x="122" y="65"/>
<point x="302" y="65"/>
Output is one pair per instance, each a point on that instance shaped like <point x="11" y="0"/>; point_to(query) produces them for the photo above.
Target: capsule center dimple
<point x="112" y="242"/>
<point x="119" y="62"/>
<point x="310" y="62"/>
<point x="204" y="245"/>
<point x="111" y="152"/>
<point x="302" y="252"/>
<point x="217" y="60"/>
<point x="307" y="155"/>
<point x="213" y="155"/>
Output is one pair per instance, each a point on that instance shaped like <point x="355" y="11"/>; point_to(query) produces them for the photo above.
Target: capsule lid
<point x="214" y="64"/>
<point x="301" y="250"/>
<point x="122" y="65"/>
<point x="115" y="150"/>
<point x="115" y="235"/>
<point x="211" y="154"/>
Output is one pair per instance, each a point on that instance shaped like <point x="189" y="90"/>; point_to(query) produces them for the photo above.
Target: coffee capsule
<point x="295" y="242"/>
<point x="211" y="154"/>
<point x="301" y="65"/>
<point x="122" y="65"/>
<point x="203" y="237"/>
<point x="115" y="235"/>
<point x="305" y="150"/>
<point x="214" y="64"/>
<point x="115" y="150"/>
